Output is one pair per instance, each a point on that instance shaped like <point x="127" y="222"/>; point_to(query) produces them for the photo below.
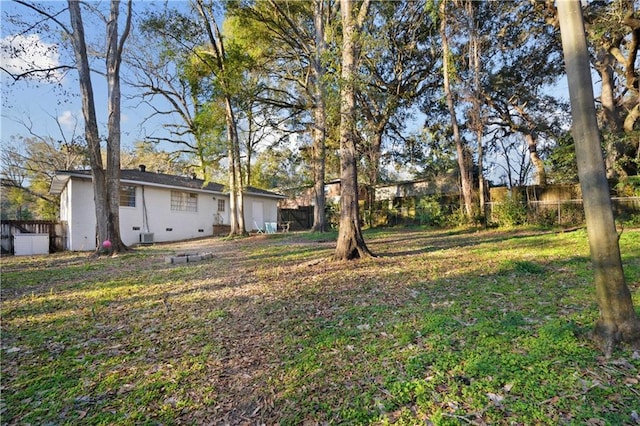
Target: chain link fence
<point x="431" y="212"/>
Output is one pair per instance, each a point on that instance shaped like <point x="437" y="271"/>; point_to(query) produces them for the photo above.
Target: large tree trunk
<point x="476" y="101"/>
<point x="604" y="67"/>
<point x="90" y="123"/>
<point x="373" y="166"/>
<point x="319" y="216"/>
<point x="234" y="228"/>
<point x="239" y="189"/>
<point x="319" y="126"/>
<point x="114" y="55"/>
<point x="463" y="156"/>
<point x="350" y="243"/>
<point x="618" y="320"/>
<point x="236" y="204"/>
<point x="540" y="174"/>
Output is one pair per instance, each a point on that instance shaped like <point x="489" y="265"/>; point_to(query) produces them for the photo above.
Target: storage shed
<point x="30" y="244"/>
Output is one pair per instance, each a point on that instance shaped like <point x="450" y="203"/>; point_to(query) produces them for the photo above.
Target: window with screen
<point x="127" y="196"/>
<point x="184" y="201"/>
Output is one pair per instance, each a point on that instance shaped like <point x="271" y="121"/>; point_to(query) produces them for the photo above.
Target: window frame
<point x="184" y="202"/>
<point x="130" y="192"/>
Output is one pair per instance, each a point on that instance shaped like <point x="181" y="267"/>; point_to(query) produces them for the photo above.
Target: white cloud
<point x="67" y="120"/>
<point x="19" y="54"/>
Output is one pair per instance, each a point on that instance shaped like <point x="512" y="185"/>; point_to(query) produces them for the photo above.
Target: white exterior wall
<point x="77" y="209"/>
<point x="165" y="224"/>
<point x="65" y="202"/>
<point x="268" y="213"/>
<point x="80" y="214"/>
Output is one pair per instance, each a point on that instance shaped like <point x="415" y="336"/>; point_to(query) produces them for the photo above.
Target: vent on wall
<point x="146" y="238"/>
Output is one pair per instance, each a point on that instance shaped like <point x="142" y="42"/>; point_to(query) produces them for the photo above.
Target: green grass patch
<point x="449" y="327"/>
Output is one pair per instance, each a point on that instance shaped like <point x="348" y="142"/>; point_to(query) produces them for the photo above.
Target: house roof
<point x="137" y="176"/>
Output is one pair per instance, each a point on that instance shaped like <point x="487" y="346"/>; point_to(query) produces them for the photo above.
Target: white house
<point x="155" y="207"/>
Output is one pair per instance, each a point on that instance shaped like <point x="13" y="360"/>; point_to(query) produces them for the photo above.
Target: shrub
<point x="543" y="217"/>
<point x="332" y="211"/>
<point x="571" y="214"/>
<point x="511" y="212"/>
<point x="429" y="212"/>
<point x="628" y="186"/>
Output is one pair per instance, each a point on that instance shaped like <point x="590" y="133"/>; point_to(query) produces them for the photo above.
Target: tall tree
<point x="106" y="183"/>
<point x="214" y="71"/>
<point x="292" y="36"/>
<point x="105" y="180"/>
<point x="320" y="11"/>
<point x="477" y="116"/>
<point x="464" y="156"/>
<point x="158" y="64"/>
<point x="351" y="244"/>
<point x="91" y="132"/>
<point x="115" y="46"/>
<point x="218" y="59"/>
<point x="398" y="63"/>
<point x="618" y="320"/>
<point x="521" y="64"/>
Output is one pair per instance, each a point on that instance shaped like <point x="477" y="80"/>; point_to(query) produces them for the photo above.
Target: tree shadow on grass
<point x="340" y="343"/>
<point x="444" y="240"/>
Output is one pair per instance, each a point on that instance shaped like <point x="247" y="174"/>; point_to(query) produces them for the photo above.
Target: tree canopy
<point x="282" y="69"/>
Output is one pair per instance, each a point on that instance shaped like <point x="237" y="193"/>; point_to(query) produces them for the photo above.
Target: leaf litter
<point x="248" y="338"/>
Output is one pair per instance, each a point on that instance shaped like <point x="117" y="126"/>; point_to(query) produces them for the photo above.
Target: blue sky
<point x="50" y="106"/>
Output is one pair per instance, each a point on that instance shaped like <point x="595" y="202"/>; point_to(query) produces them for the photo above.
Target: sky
<point x="51" y="107"/>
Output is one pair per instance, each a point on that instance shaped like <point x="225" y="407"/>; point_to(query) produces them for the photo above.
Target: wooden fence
<point x="300" y="218"/>
<point x="56" y="231"/>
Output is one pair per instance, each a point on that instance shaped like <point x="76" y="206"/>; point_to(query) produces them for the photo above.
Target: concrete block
<point x="180" y="259"/>
<point x="194" y="258"/>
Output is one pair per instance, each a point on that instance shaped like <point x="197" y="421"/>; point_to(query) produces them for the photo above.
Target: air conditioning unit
<point x="146" y="238"/>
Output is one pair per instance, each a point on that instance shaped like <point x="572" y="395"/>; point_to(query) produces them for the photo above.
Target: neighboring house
<point x="442" y="186"/>
<point x="155" y="207"/>
<point x="391" y="192"/>
<point x="304" y="196"/>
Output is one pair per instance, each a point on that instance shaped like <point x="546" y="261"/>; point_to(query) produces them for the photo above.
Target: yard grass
<point x="445" y="327"/>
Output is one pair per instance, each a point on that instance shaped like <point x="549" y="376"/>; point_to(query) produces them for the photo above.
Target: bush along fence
<point x="560" y="212"/>
<point x="548" y="205"/>
<point x="509" y="212"/>
<point x="505" y="213"/>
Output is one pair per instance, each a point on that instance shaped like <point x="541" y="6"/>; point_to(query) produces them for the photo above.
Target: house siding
<point x="80" y="215"/>
<point x="77" y="209"/>
<point x="269" y="211"/>
<point x="165" y="224"/>
<point x="65" y="202"/>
